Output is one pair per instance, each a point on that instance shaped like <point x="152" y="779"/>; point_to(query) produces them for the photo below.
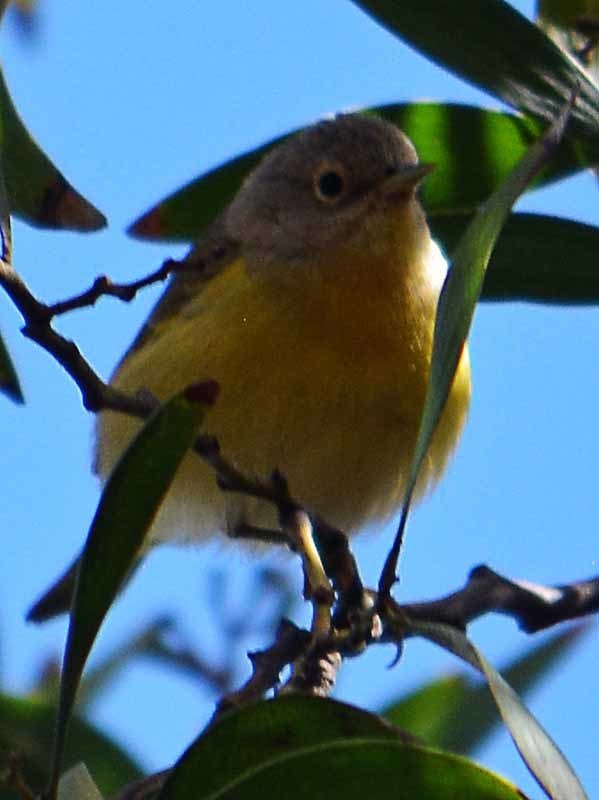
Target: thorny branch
<point x="359" y="617"/>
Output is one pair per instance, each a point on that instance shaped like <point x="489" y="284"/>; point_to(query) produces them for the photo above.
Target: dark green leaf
<point x="456" y="713"/>
<point x="537" y="258"/>
<point x="493" y="46"/>
<point x="37" y="191"/>
<point x="28" y="728"/>
<point x="298" y="747"/>
<point x="473" y="149"/>
<point x="129" y="502"/>
<point x="541" y="755"/>
<point x="9" y="380"/>
<point x="455" y="309"/>
<point x="353" y="770"/>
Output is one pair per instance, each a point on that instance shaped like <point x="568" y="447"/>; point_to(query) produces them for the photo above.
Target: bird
<point x="313" y="306"/>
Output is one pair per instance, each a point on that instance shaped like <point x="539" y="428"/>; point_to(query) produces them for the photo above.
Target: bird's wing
<point x="207" y="258"/>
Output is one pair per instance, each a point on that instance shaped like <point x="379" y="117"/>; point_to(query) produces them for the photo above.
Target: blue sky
<point x="132" y="105"/>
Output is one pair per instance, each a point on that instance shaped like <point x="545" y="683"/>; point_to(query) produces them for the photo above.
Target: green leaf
<point x="9" y="380"/>
<point x="494" y="47"/>
<point x="298" y="747"/>
<point x="455" y="310"/>
<point x="353" y="770"/>
<point x="537" y="258"/>
<point x="37" y="191"/>
<point x="27" y="729"/>
<point x="541" y="755"/>
<point x="457" y="714"/>
<point x="129" y="502"/>
<point x="472" y="148"/>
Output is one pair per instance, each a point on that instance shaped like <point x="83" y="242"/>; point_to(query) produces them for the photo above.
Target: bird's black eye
<point x="329" y="183"/>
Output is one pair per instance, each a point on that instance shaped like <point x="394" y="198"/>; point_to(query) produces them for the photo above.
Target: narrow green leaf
<point x="456" y="713"/>
<point x="9" y="380"/>
<point x="455" y="310"/>
<point x="496" y="48"/>
<point x="129" y="502"/>
<point x="300" y="747"/>
<point x="473" y="149"/>
<point x="27" y="729"/>
<point x="537" y="258"/>
<point x="37" y="191"/>
<point x="541" y="755"/>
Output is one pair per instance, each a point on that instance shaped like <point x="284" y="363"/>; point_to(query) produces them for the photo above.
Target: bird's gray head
<point x="316" y="188"/>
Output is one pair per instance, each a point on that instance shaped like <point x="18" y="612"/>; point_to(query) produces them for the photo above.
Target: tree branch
<point x="533" y="606"/>
<point x="96" y="395"/>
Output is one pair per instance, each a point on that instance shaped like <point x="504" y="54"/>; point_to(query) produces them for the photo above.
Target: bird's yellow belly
<point x="330" y="397"/>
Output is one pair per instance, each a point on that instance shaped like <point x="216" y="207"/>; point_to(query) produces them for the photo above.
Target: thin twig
<point x="290" y="642"/>
<point x="96" y="395"/>
<point x="103" y="287"/>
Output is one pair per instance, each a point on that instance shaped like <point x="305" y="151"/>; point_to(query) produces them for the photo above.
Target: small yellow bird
<point x="315" y="314"/>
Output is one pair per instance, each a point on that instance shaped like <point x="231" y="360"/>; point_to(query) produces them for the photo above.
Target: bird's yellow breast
<point x="322" y="368"/>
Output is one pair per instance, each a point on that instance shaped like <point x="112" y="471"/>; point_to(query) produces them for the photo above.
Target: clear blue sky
<point x="131" y="105"/>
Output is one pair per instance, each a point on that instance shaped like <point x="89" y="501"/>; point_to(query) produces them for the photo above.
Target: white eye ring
<point x="330" y="182"/>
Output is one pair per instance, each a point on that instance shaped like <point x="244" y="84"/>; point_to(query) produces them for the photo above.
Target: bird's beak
<point x="402" y="183"/>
